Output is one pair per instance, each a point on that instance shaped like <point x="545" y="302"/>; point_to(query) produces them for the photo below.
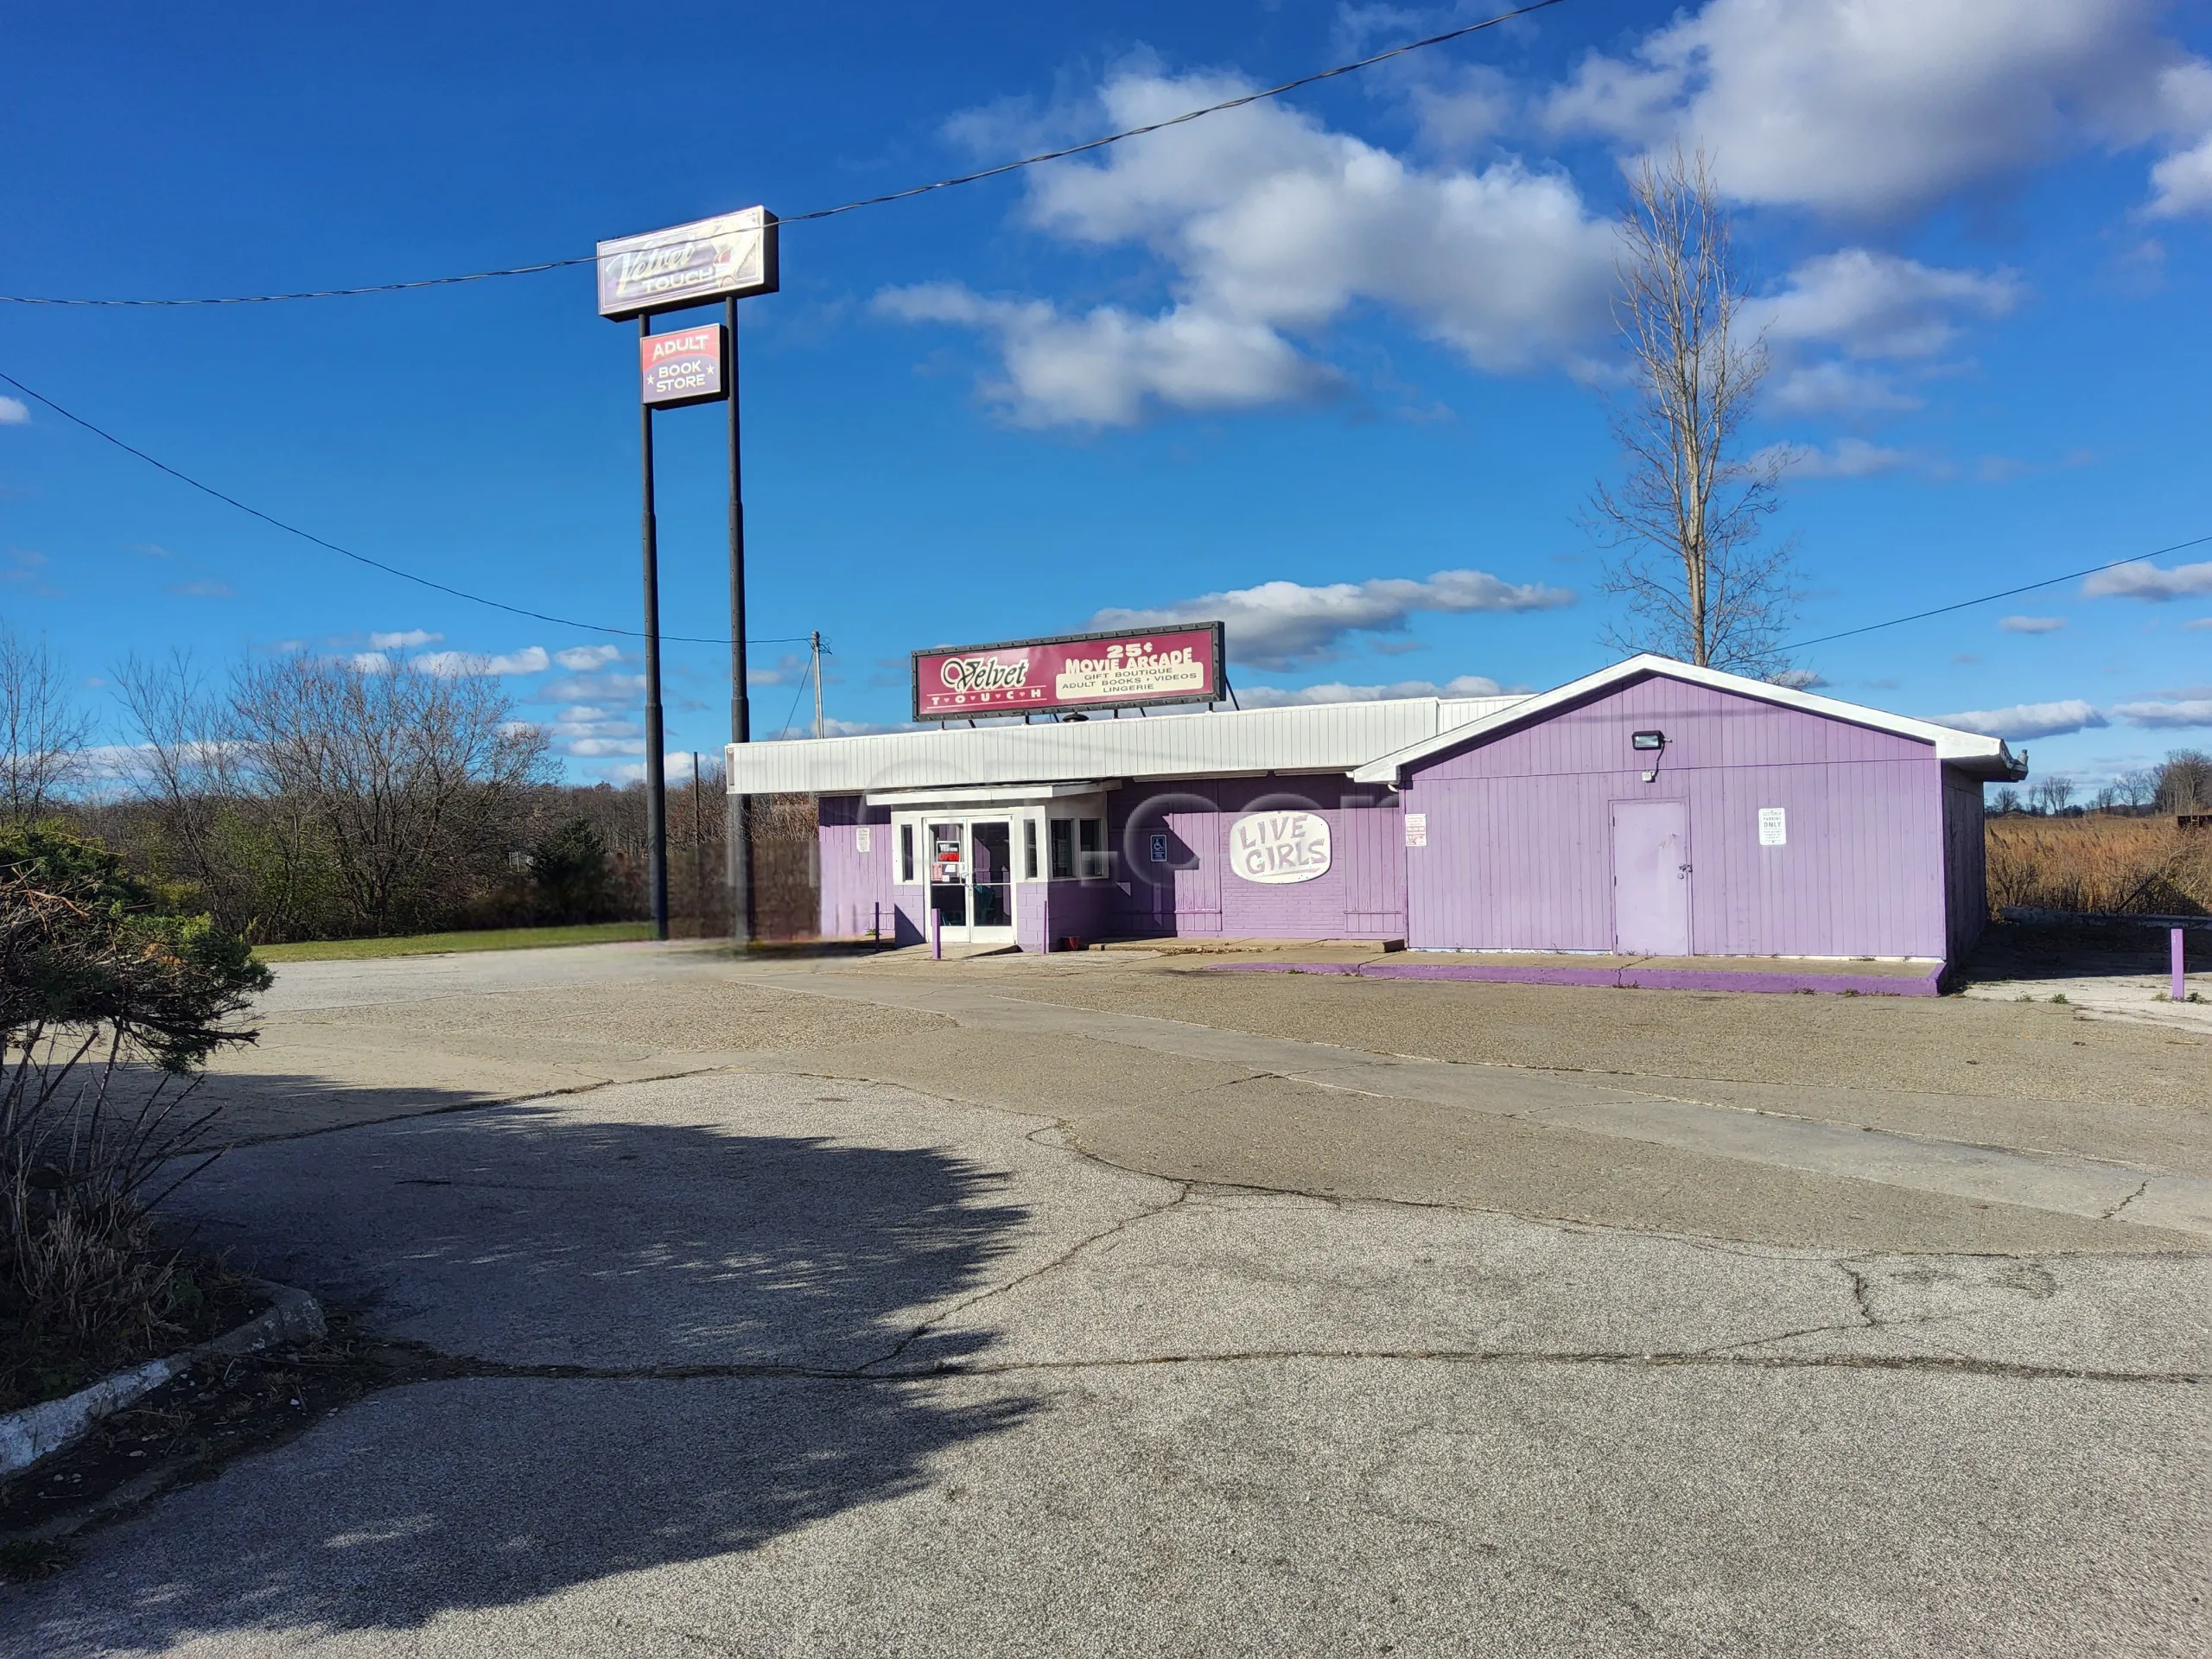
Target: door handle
<point x="1682" y="869"/>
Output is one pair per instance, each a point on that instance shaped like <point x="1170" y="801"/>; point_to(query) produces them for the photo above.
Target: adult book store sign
<point x="681" y="368"/>
<point x="1072" y="672"/>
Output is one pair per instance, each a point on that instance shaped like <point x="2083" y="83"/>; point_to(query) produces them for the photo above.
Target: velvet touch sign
<point x="680" y="368"/>
<point x="726" y="256"/>
<point x="1071" y="671"/>
<point x="1274" y="849"/>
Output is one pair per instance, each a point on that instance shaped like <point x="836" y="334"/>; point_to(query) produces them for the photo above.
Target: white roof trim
<point x="988" y="794"/>
<point x="1972" y="750"/>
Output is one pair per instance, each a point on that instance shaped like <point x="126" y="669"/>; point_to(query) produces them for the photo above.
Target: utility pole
<point x="815" y="639"/>
<point x="739" y="832"/>
<point x="656" y="783"/>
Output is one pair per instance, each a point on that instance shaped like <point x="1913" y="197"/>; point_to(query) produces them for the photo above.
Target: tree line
<point x="303" y="796"/>
<point x="2180" y="784"/>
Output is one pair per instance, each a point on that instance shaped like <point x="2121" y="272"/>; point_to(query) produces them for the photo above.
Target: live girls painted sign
<point x="1071" y="672"/>
<point x="1276" y="848"/>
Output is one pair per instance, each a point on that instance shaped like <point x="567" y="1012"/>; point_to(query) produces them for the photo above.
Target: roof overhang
<point x="1970" y="752"/>
<point x="988" y="794"/>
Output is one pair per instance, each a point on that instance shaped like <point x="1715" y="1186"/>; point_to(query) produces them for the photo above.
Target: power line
<point x="842" y="207"/>
<point x="363" y="558"/>
<point x="1985" y="598"/>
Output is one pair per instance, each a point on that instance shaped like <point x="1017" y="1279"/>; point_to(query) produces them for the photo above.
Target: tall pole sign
<point x="723" y="258"/>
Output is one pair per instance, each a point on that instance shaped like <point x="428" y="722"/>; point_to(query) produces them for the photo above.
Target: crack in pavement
<point x="437" y="1367"/>
<point x="1082" y="1245"/>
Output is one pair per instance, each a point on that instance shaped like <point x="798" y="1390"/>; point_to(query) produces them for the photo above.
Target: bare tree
<point x="2186" y="782"/>
<point x="1684" y="518"/>
<point x="2053" y="794"/>
<point x="2138" y="789"/>
<point x="43" y="730"/>
<point x="406" y="776"/>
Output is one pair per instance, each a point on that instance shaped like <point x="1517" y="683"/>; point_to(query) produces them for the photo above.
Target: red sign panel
<point x="1082" y="670"/>
<point x="680" y="368"/>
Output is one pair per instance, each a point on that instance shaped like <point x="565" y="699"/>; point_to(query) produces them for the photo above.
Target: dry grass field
<point x="2113" y="865"/>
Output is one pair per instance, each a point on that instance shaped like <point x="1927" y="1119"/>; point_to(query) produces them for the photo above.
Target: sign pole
<point x="656" y="783"/>
<point x="738" y="829"/>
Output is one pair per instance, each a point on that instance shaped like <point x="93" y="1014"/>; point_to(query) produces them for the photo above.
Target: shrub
<point x="110" y="1000"/>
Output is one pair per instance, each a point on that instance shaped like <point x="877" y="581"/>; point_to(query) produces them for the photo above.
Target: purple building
<point x="1652" y="808"/>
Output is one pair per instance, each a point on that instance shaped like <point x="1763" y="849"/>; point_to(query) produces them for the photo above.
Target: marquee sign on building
<point x="1074" y="671"/>
<point x="727" y="257"/>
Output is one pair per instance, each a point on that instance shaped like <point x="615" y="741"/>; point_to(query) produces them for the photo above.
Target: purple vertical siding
<point x="856" y="887"/>
<point x="1518" y="854"/>
<point x="1966" y="877"/>
<point x="1361" y="896"/>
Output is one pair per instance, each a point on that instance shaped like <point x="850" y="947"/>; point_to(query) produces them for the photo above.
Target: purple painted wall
<point x="856" y="887"/>
<point x="1519" y="850"/>
<point x="1362" y="895"/>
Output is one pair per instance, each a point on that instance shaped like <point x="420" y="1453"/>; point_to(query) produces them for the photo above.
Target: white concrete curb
<point x="39" y="1431"/>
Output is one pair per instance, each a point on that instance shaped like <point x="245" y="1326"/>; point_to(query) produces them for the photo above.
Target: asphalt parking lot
<point x="1108" y="1306"/>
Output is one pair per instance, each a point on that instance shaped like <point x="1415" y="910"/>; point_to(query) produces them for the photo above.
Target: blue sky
<point x="1339" y="349"/>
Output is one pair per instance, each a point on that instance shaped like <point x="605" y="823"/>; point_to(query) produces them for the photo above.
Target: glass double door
<point x="971" y="880"/>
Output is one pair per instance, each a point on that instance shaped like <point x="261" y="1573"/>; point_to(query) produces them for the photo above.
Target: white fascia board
<point x="988" y="794"/>
<point x="1971" y="751"/>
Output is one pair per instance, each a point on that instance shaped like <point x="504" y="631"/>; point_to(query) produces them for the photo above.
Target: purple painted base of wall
<point x="1645" y="979"/>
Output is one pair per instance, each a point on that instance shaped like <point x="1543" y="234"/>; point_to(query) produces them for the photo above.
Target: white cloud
<point x="2181" y="183"/>
<point x="1273" y="226"/>
<point x="592" y="688"/>
<point x="1275" y="697"/>
<point x="789" y="669"/>
<point x="2026" y="720"/>
<point x="1278" y="625"/>
<point x="1107" y="367"/>
<point x="13" y="411"/>
<point x="2140" y="579"/>
<point x="448" y="665"/>
<point x="371" y="662"/>
<point x="406" y="639"/>
<point x="1869" y="307"/>
<point x="1878" y="305"/>
<point x="2199" y="622"/>
<point x="583" y="658"/>
<point x="2196" y="711"/>
<point x="2031" y="624"/>
<point x="1873" y="108"/>
<point x="1850" y="458"/>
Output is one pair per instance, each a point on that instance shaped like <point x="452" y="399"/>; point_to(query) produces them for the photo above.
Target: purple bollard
<point x="2181" y="983"/>
<point x="937" y="937"/>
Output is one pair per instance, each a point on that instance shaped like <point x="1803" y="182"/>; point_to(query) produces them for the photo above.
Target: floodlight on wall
<point x="1649" y="740"/>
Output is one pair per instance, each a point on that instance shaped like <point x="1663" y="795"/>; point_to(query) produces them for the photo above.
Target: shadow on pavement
<point x="2083" y="950"/>
<point x="700" y="1268"/>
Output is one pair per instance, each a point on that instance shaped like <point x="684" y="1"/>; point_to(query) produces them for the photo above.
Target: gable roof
<point x="1969" y="751"/>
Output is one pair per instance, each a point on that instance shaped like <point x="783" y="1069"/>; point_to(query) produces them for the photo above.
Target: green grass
<point x="424" y="944"/>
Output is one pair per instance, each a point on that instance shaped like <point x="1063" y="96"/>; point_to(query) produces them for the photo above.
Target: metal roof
<point x="1969" y="751"/>
<point x="1308" y="738"/>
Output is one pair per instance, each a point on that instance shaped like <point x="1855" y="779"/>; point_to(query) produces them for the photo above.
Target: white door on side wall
<point x="1651" y="878"/>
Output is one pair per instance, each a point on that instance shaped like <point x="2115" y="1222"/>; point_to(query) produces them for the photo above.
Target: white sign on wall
<point x="864" y="838"/>
<point x="1774" y="828"/>
<point x="1416" y="828"/>
<point x="1276" y="848"/>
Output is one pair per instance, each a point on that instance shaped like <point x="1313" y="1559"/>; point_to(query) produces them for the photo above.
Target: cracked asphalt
<point x="869" y="1310"/>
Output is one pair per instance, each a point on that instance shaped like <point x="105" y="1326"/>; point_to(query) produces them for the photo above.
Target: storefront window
<point x="1090" y="842"/>
<point x="906" y="852"/>
<point x="1029" y="849"/>
<point x="1062" y="832"/>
